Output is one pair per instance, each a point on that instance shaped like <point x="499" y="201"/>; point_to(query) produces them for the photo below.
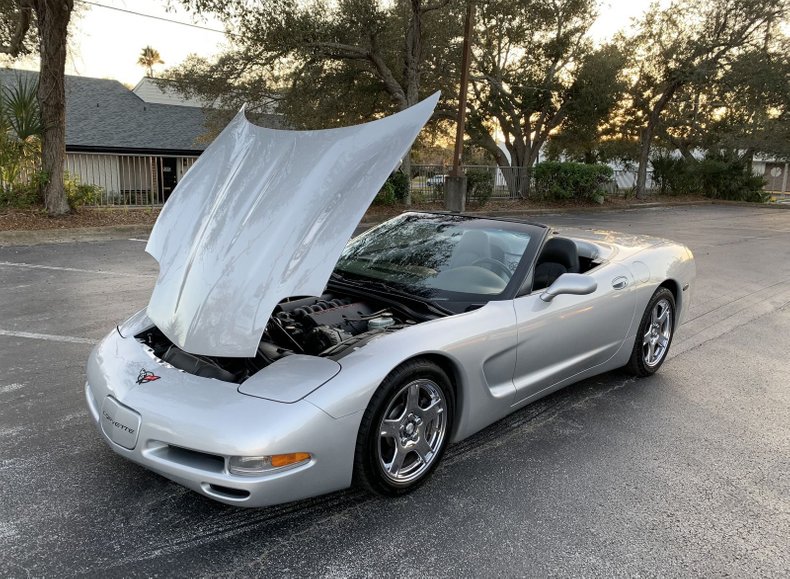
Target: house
<point x="158" y="91"/>
<point x="775" y="172"/>
<point x="134" y="146"/>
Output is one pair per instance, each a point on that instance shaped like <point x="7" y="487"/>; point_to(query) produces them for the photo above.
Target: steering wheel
<point x="498" y="268"/>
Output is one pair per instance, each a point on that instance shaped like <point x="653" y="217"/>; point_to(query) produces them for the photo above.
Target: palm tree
<point x="148" y="58"/>
<point x="21" y="130"/>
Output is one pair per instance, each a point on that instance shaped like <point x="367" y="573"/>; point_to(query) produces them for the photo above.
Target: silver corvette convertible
<point x="277" y="361"/>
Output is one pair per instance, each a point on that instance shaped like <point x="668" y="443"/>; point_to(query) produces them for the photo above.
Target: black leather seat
<point x="559" y="256"/>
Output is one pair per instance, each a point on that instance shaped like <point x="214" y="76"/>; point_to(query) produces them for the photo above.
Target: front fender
<point x="481" y="346"/>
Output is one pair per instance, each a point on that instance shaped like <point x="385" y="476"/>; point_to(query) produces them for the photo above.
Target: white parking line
<point x="72" y="269"/>
<point x="47" y="337"/>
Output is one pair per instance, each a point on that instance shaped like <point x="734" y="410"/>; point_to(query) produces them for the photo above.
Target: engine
<point x="315" y="326"/>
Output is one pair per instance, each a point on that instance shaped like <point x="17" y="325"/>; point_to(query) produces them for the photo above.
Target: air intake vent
<point x="227" y="492"/>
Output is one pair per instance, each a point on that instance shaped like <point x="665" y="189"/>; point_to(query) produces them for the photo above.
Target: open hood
<point x="263" y="215"/>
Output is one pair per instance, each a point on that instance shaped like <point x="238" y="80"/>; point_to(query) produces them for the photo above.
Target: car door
<point x="572" y="333"/>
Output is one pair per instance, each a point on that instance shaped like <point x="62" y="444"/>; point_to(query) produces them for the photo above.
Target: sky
<point x="106" y="43"/>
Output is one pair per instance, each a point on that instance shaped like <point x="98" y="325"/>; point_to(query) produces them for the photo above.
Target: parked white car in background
<point x="436" y="180"/>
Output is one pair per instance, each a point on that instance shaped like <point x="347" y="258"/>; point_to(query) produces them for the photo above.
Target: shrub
<point x="731" y="179"/>
<point x="400" y="185"/>
<point x="387" y="194"/>
<point x="79" y="194"/>
<point x="555" y="180"/>
<point x="20" y="196"/>
<point x="675" y="176"/>
<point x="23" y="192"/>
<point x="479" y="185"/>
<point x="717" y="176"/>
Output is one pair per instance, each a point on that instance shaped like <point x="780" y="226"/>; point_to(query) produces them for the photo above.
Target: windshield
<point x="442" y="257"/>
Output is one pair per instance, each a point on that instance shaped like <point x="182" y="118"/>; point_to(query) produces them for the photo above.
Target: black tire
<point x="639" y="365"/>
<point x="375" y="447"/>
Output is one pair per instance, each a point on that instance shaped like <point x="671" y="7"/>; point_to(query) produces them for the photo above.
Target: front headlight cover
<point x="256" y="465"/>
<point x="135" y="324"/>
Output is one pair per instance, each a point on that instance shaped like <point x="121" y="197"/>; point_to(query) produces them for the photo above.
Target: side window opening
<point x="563" y="255"/>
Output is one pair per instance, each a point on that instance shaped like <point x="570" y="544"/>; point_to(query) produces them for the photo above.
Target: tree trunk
<point x="647" y="133"/>
<point x="525" y="189"/>
<point x="644" y="158"/>
<point x="53" y="20"/>
<point x="509" y="175"/>
<point x="413" y="63"/>
<point x="405" y="167"/>
<point x="528" y="168"/>
<point x="510" y="170"/>
<point x="748" y="159"/>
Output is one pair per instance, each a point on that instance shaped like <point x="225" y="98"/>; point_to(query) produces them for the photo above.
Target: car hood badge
<point x="146" y="376"/>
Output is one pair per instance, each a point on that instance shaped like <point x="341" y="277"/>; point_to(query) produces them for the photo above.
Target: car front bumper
<point x="186" y="428"/>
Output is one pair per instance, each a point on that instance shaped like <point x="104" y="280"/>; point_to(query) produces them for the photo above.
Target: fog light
<point x="254" y="465"/>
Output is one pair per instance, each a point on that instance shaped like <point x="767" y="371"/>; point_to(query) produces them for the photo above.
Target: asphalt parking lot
<point x="685" y="473"/>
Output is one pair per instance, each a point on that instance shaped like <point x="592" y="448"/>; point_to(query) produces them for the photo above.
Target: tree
<point x="684" y="44"/>
<point x="750" y="104"/>
<point x="324" y="64"/>
<point x="588" y="129"/>
<point x="50" y="18"/>
<point x="534" y="66"/>
<point x="148" y="58"/>
<point x="743" y="109"/>
<point x="20" y="136"/>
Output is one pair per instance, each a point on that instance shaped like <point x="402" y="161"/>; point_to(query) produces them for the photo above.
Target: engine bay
<point x="318" y="326"/>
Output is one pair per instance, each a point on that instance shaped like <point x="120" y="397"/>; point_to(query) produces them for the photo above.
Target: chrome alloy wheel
<point x="412" y="431"/>
<point x="655" y="342"/>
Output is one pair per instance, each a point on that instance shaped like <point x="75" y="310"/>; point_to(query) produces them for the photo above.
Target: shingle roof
<point x="104" y="115"/>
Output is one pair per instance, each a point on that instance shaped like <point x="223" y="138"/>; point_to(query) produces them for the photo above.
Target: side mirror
<point x="570" y="283"/>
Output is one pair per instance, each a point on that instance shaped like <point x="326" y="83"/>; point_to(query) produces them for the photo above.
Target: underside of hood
<point x="263" y="215"/>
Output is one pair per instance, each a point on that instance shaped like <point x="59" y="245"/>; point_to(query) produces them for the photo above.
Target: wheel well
<point x="674" y="287"/>
<point x="451" y="369"/>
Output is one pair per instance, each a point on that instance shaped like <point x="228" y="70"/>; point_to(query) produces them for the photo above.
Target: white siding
<point x="99" y="170"/>
<point x="149" y="91"/>
<point x="123" y="179"/>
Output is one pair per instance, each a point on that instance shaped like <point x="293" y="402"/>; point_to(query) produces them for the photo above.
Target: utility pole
<point x="455" y="184"/>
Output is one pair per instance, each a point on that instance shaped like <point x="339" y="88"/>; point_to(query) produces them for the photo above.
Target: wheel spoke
<point x="650" y="352"/>
<point x="413" y="398"/>
<point x="394" y="466"/>
<point x="664" y="316"/>
<point x="390" y="428"/>
<point x="423" y="450"/>
<point x="432" y="412"/>
<point x="654" y="315"/>
<point x="646" y="338"/>
<point x="662" y="341"/>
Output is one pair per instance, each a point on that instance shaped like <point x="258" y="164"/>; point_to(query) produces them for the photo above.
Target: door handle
<point x="620" y="282"/>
